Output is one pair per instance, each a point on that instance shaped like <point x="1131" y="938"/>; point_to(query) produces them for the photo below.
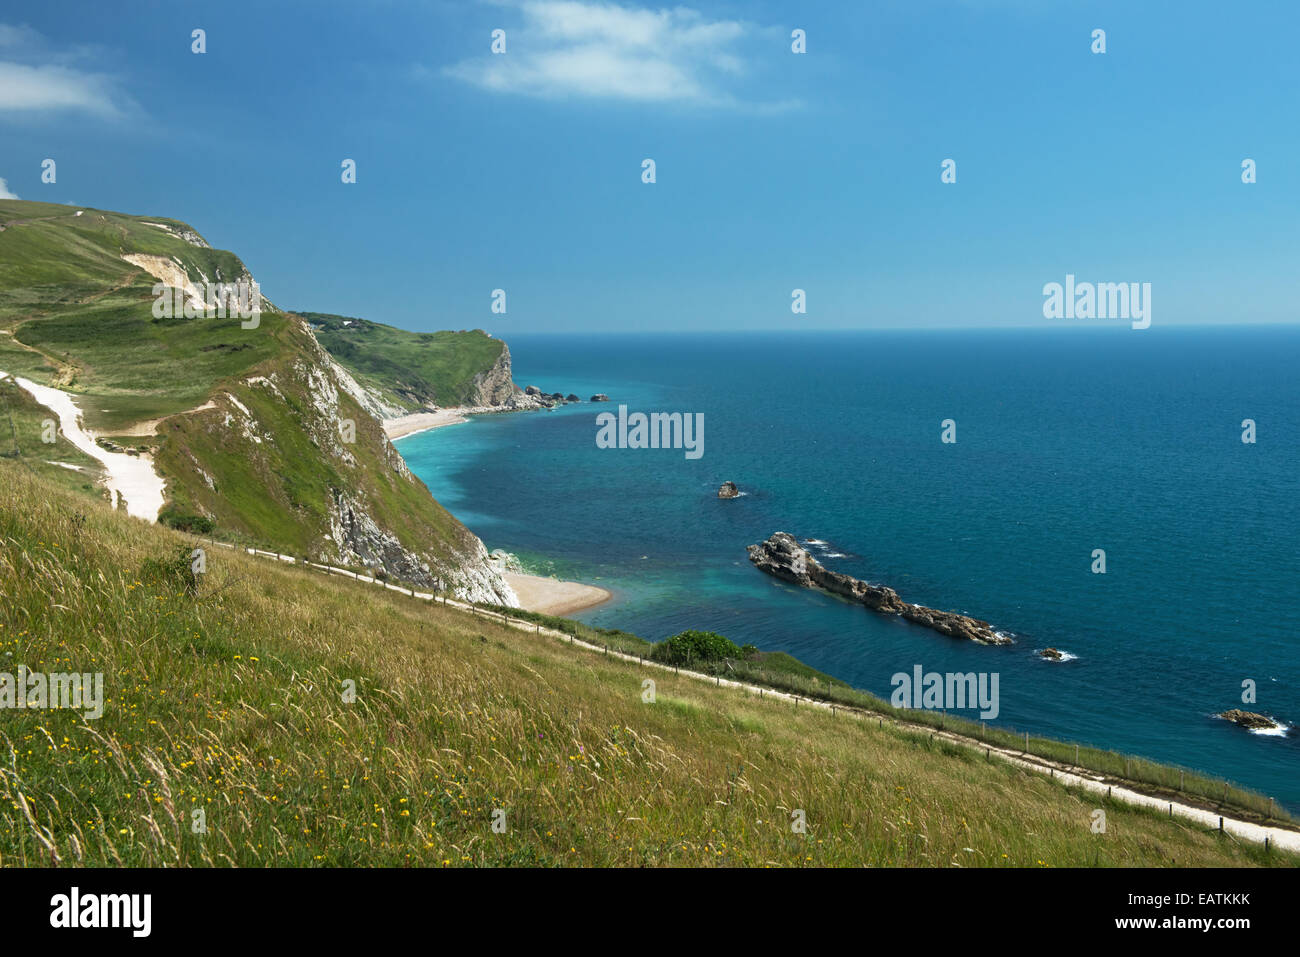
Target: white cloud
<point x="54" y="88"/>
<point x="37" y="79"/>
<point x="11" y="36"/>
<point x="579" y="48"/>
<point x="4" y="190"/>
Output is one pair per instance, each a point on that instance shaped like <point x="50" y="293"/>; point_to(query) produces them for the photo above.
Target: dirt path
<point x="131" y="478"/>
<point x="149" y="427"/>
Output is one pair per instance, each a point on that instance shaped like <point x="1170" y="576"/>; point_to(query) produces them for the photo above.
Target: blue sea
<point x="1069" y="439"/>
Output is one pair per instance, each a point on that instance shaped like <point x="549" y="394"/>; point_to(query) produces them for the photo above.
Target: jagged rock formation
<point x="728" y="490"/>
<point x="172" y="272"/>
<point x="782" y="557"/>
<point x="494" y="386"/>
<point x="1051" y="654"/>
<point x="361" y="541"/>
<point x="1249" y="720"/>
<point x="600" y="397"/>
<point x="372" y="400"/>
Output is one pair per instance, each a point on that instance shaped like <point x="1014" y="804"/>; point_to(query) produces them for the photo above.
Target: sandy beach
<point x="414" y="422"/>
<point x="550" y="596"/>
<point x="546" y="596"/>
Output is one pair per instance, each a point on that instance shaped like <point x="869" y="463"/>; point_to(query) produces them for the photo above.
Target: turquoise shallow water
<point x="1067" y="440"/>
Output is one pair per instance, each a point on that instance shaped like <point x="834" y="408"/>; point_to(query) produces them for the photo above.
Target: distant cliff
<point x="399" y="371"/>
<point x="259" y="433"/>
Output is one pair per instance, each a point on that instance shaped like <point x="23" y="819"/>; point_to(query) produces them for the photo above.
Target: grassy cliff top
<point x="77" y="316"/>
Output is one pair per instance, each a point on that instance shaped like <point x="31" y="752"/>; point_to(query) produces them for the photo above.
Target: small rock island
<point x="728" y="490"/>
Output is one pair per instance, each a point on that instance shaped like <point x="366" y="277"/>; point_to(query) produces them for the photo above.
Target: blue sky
<point x="775" y="171"/>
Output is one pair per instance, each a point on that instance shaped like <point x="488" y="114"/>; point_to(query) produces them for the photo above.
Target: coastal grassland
<point x="78" y="317"/>
<point x="129" y="365"/>
<point x="410" y="369"/>
<point x="782" y="672"/>
<point x="231" y="701"/>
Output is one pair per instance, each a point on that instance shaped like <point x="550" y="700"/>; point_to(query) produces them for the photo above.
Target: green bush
<point x="183" y="520"/>
<point x="695" y="647"/>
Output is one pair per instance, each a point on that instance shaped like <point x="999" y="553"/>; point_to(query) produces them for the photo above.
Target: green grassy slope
<point x="49" y="255"/>
<point x="75" y="315"/>
<point x="412" y="370"/>
<point x="231" y="700"/>
<point x="282" y="489"/>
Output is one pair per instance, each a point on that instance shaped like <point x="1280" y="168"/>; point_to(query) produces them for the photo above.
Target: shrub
<point x="184" y="520"/>
<point x="695" y="647"/>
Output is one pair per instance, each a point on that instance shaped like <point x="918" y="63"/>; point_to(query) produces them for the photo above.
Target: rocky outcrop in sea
<point x="1250" y="720"/>
<point x="782" y="557"/>
<point x="538" y="399"/>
